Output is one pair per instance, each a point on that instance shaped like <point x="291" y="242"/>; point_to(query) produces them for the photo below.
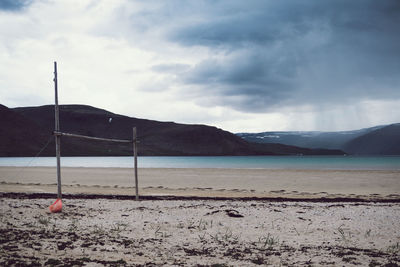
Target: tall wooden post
<point x="135" y="162"/>
<point x="57" y="133"/>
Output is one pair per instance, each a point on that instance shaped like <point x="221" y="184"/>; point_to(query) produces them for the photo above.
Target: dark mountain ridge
<point x="378" y="140"/>
<point x="156" y="138"/>
<point x="382" y="141"/>
<point x="19" y="135"/>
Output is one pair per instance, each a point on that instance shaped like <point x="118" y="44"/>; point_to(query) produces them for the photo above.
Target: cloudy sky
<point x="244" y="66"/>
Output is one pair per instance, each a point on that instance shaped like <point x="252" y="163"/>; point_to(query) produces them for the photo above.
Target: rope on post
<point x="91" y="137"/>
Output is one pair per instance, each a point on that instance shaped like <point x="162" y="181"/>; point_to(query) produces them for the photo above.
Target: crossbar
<point x="92" y="138"/>
<point x="57" y="133"/>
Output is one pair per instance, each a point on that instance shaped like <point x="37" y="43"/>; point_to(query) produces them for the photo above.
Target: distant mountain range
<point x="25" y="131"/>
<point x="379" y="140"/>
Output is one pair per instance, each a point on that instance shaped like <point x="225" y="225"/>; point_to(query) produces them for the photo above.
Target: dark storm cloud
<point x="288" y="52"/>
<point x="14" y="5"/>
<point x="243" y="76"/>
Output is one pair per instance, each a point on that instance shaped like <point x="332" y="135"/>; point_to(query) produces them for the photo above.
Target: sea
<point x="231" y="162"/>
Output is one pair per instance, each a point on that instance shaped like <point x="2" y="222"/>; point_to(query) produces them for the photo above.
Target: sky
<point x="243" y="66"/>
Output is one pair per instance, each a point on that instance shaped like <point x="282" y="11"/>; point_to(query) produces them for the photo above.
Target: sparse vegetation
<point x="226" y="236"/>
<point x="161" y="234"/>
<point x="73" y="226"/>
<point x="202" y="237"/>
<point x="268" y="241"/>
<point x="393" y="249"/>
<point x="344" y="237"/>
<point x="367" y="233"/>
<point x="118" y="227"/>
<point x="43" y="220"/>
<point x="294" y="228"/>
<point x="187" y="238"/>
<point x="96" y="229"/>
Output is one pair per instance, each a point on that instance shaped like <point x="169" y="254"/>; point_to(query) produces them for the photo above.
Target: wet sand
<point x="207" y="182"/>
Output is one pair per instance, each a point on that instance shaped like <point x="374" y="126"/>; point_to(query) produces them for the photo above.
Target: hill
<point x="156" y="138"/>
<point x="19" y="136"/>
<point x="378" y="140"/>
<point x="309" y="139"/>
<point x="383" y="141"/>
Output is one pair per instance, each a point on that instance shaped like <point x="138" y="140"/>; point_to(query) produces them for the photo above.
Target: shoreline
<point x="21" y="195"/>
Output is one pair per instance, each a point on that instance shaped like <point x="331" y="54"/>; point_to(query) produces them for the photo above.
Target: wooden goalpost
<point x="57" y="133"/>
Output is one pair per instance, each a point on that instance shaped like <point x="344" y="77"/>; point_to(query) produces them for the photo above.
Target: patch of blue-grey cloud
<point x="14" y="5"/>
<point x="171" y="68"/>
<point x="244" y="80"/>
<point x="289" y="52"/>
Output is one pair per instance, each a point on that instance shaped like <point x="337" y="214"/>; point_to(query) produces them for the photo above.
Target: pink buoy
<point x="56" y="206"/>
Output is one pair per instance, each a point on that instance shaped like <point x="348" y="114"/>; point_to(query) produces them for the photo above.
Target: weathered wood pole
<point x="135" y="162"/>
<point x="57" y="133"/>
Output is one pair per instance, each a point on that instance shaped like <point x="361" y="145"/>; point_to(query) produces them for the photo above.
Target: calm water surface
<point x="251" y="162"/>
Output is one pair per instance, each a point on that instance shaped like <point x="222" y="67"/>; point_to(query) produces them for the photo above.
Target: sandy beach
<point x="207" y="182"/>
<point x="200" y="217"/>
<point x="101" y="232"/>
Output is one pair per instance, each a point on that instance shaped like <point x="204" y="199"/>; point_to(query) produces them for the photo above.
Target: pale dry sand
<point x="102" y="232"/>
<point x="207" y="182"/>
<point x="105" y="232"/>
